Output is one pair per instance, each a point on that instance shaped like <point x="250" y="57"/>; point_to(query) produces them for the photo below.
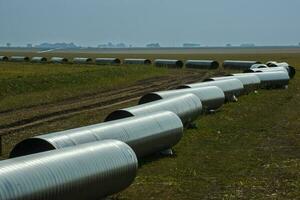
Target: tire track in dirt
<point x="23" y="118"/>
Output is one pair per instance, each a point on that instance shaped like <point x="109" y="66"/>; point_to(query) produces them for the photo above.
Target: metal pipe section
<point x="3" y="58"/>
<point x="19" y="59"/>
<point x="202" y="64"/>
<point x="273" y="69"/>
<point x="145" y="135"/>
<point x="187" y="107"/>
<point x="136" y="61"/>
<point x="291" y="70"/>
<point x="250" y="82"/>
<point x="238" y="64"/>
<point x="211" y="97"/>
<point x="258" y="66"/>
<point x="82" y="60"/>
<point x="38" y="59"/>
<point x="108" y="61"/>
<point x="231" y="87"/>
<point x="59" y="60"/>
<point x="168" y="63"/>
<point x="90" y="171"/>
<point x="277" y="79"/>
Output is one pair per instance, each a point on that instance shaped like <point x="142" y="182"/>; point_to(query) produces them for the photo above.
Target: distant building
<point x="299" y="44"/>
<point x="248" y="45"/>
<point x="190" y="45"/>
<point x="111" y="45"/>
<point x="57" y="45"/>
<point x="228" y="45"/>
<point x="29" y="45"/>
<point x="153" y="45"/>
<point x="8" y="45"/>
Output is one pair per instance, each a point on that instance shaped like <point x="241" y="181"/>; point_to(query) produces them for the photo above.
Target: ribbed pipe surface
<point x="136" y="61"/>
<point x="187" y="107"/>
<point x="145" y="135"/>
<point x="250" y="81"/>
<point x="202" y="64"/>
<point x="231" y="87"/>
<point x="288" y="69"/>
<point x="277" y="79"/>
<point x="82" y="60"/>
<point x="239" y="64"/>
<point x="83" y="172"/>
<point x="19" y="58"/>
<point x="211" y="97"/>
<point x="38" y="59"/>
<point x="168" y="63"/>
<point x="59" y="60"/>
<point x="108" y="61"/>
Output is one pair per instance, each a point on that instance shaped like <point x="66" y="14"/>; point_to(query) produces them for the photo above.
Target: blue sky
<point x="138" y="22"/>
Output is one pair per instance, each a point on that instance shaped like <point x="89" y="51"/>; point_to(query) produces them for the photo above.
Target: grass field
<point x="247" y="150"/>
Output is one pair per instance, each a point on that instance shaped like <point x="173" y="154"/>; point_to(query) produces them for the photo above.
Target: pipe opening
<point x="118" y="114"/>
<point x="183" y="87"/>
<point x="292" y="71"/>
<point x="179" y="64"/>
<point x="31" y="146"/>
<point x="149" y="98"/>
<point x="4" y="58"/>
<point x="147" y="62"/>
<point x="208" y="80"/>
<point x="215" y="65"/>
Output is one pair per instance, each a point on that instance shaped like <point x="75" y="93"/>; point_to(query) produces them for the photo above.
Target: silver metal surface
<point x="168" y="63"/>
<point x="3" y="58"/>
<point x="38" y="59"/>
<point x="275" y="65"/>
<point x="277" y="79"/>
<point x="202" y="64"/>
<point x="250" y="82"/>
<point x="211" y="97"/>
<point x="108" y="61"/>
<point x="19" y="59"/>
<point x="144" y="134"/>
<point x="136" y="61"/>
<point x="187" y="106"/>
<point x="83" y="172"/>
<point x="238" y="64"/>
<point x="231" y="87"/>
<point x="258" y="66"/>
<point x="59" y="60"/>
<point x="287" y="69"/>
<point x="82" y="60"/>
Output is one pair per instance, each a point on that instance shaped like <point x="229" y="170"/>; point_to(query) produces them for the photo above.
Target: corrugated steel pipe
<point x="291" y="70"/>
<point x="82" y="60"/>
<point x="188" y="107"/>
<point x="144" y="134"/>
<point x="38" y="59"/>
<point x="168" y="63"/>
<point x="59" y="60"/>
<point x="250" y="81"/>
<point x="202" y="64"/>
<point x="3" y="58"/>
<point x="108" y="61"/>
<point x="239" y="64"/>
<point x="89" y="171"/>
<point x="19" y="59"/>
<point x="269" y="80"/>
<point x="136" y="61"/>
<point x="211" y="97"/>
<point x="231" y="87"/>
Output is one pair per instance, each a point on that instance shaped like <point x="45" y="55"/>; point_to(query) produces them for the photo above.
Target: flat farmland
<point x="248" y="149"/>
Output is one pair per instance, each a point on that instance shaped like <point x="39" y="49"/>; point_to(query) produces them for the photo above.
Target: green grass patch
<point x="25" y="84"/>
